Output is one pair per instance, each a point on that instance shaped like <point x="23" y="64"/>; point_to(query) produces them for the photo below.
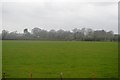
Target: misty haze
<point x="59" y="39"/>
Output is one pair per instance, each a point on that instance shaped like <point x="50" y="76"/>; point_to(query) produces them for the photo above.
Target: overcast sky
<point x="60" y="14"/>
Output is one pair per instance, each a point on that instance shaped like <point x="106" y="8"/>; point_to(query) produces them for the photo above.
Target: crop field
<point x="49" y="59"/>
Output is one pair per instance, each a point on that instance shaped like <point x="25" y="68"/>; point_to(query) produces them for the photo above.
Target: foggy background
<point x="59" y="14"/>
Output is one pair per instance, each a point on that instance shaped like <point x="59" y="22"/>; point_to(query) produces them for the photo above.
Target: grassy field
<point x="0" y="59"/>
<point x="47" y="59"/>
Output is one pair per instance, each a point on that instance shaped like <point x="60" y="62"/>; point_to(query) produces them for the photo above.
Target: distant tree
<point x="119" y="37"/>
<point x="109" y="36"/>
<point x="116" y="37"/>
<point x="100" y="35"/>
<point x="13" y="35"/>
<point x="26" y="35"/>
<point x="60" y="34"/>
<point x="25" y="31"/>
<point x="89" y="34"/>
<point x="36" y="32"/>
<point x="0" y="36"/>
<point x="84" y="34"/>
<point x="68" y="36"/>
<point x="76" y="34"/>
<point x="52" y="35"/>
<point x="4" y="34"/>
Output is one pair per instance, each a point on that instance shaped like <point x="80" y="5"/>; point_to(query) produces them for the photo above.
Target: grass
<point x="0" y="59"/>
<point x="47" y="59"/>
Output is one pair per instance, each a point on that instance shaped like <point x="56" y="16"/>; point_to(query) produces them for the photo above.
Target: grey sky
<point x="59" y="14"/>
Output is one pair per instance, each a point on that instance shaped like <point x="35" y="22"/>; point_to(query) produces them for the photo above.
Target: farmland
<point x="47" y="59"/>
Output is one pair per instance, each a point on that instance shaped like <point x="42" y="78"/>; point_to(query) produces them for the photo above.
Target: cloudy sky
<point x="59" y="14"/>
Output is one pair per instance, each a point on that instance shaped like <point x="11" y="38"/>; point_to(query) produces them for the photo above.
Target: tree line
<point x="84" y="34"/>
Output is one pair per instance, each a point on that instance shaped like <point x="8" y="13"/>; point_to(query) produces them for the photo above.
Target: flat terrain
<point x="47" y="59"/>
<point x="0" y="59"/>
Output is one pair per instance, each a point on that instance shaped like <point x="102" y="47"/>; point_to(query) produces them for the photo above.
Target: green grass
<point x="0" y="59"/>
<point x="47" y="59"/>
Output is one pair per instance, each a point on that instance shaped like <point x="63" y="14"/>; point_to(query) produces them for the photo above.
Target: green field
<point x="47" y="59"/>
<point x="0" y="59"/>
